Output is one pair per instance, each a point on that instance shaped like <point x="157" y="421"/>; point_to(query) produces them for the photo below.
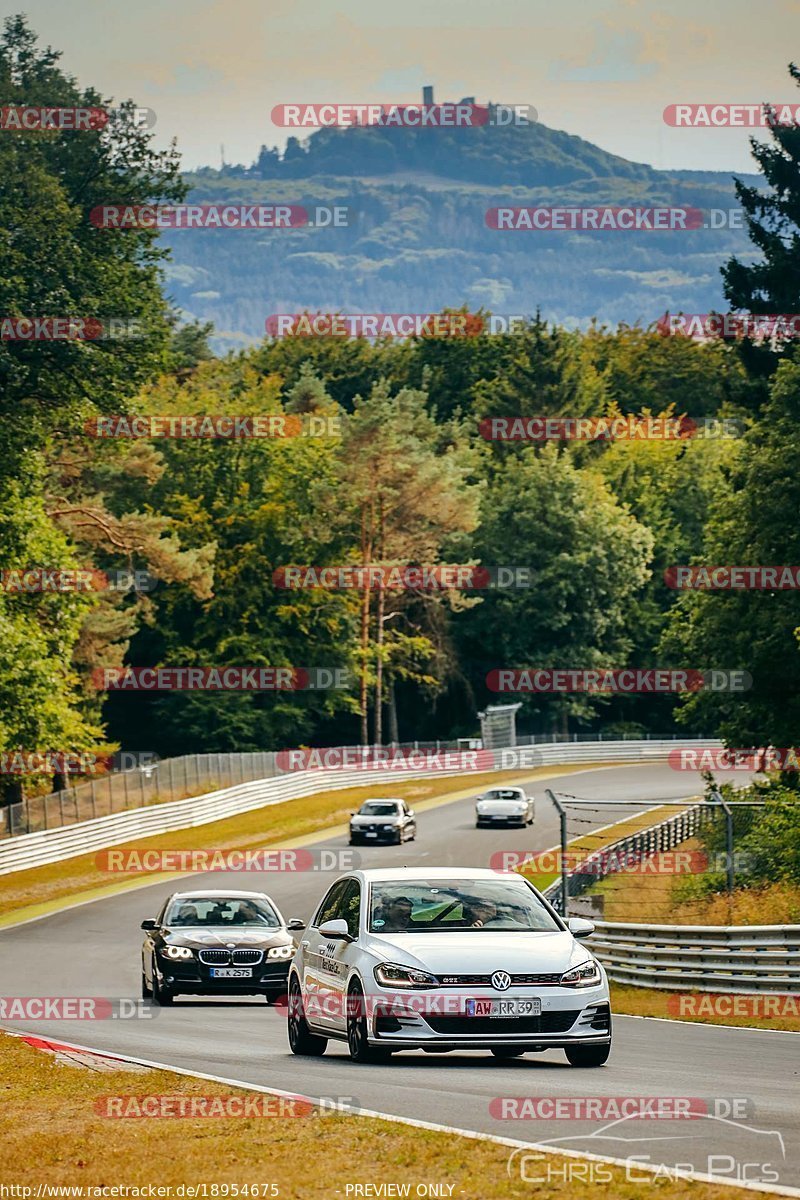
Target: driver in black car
<point x="248" y="914"/>
<point x="187" y="915"/>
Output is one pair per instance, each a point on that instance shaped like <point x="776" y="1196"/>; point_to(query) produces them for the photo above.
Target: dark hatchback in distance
<point x="217" y="944"/>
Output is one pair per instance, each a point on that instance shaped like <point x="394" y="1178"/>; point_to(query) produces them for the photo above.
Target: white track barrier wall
<point x="54" y="845"/>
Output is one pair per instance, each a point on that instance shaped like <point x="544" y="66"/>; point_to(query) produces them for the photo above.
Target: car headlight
<point x="586" y="975"/>
<point x="177" y="952"/>
<point x="281" y="952"/>
<point x="394" y="975"/>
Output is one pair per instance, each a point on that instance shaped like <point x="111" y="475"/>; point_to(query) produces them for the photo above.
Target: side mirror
<point x="149" y="924"/>
<point x="296" y="923"/>
<point x="335" y="930"/>
<point x="579" y="927"/>
<point x="411" y="812"/>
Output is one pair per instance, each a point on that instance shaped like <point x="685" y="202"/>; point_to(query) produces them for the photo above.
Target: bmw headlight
<point x="586" y="975"/>
<point x="395" y="975"/>
<point x="281" y="952"/>
<point x="178" y="952"/>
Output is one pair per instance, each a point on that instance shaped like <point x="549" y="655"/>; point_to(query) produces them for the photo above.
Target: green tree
<point x="773" y="224"/>
<point x="588" y="557"/>
<point x="752" y="524"/>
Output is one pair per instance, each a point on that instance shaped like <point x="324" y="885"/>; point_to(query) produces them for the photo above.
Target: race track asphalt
<point x="93" y="950"/>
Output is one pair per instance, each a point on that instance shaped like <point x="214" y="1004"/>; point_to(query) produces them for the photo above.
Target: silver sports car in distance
<point x="504" y="806"/>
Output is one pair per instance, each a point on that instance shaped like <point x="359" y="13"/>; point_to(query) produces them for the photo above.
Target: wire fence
<point x="168" y="779"/>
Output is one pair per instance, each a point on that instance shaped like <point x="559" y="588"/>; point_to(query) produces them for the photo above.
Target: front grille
<point x="484" y="980"/>
<point x="243" y="957"/>
<point x="214" y="958"/>
<point x="555" y="1022"/>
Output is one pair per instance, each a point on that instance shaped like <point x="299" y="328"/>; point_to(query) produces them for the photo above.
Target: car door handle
<point x="305" y="943"/>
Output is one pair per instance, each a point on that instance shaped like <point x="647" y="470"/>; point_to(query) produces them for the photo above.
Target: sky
<point x="212" y="70"/>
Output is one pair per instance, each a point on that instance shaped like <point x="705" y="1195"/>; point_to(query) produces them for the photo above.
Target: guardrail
<point x="53" y="845"/>
<point x="162" y="780"/>
<point x="705" y="958"/>
<point x="655" y="839"/>
<point x="745" y="959"/>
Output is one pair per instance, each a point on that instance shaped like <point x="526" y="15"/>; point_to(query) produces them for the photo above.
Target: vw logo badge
<point x="501" y="981"/>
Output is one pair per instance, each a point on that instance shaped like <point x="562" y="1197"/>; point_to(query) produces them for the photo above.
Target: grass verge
<point x="707" y="1008"/>
<point x="666" y="899"/>
<point x="52" y="1134"/>
<point x="536" y="868"/>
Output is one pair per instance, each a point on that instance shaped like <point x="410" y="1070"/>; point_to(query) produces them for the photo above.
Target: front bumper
<point x="569" y="1017"/>
<point x="502" y="818"/>
<point x="194" y="978"/>
<point x="374" y="835"/>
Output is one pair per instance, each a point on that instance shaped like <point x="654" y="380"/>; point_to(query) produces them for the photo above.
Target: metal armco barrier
<point x="53" y="845"/>
<point x="745" y="959"/>
<point x="703" y="958"/>
<point x="666" y="835"/>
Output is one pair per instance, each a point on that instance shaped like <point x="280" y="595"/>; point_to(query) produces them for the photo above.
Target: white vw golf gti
<point x="444" y="959"/>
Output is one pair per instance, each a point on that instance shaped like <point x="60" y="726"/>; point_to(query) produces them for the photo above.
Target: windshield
<point x="378" y="808"/>
<point x="220" y="910"/>
<point x="435" y="905"/>
<point x="503" y="794"/>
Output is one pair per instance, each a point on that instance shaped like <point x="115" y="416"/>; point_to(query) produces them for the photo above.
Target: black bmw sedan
<point x="217" y="944"/>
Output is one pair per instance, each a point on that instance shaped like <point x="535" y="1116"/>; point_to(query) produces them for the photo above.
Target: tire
<point x="479" y="824"/>
<point x="398" y="838"/>
<point x="357" y="1044"/>
<point x="507" y="1051"/>
<point x="147" y="993"/>
<point x="301" y="1039"/>
<point x="588" y="1056"/>
<point x="162" y="996"/>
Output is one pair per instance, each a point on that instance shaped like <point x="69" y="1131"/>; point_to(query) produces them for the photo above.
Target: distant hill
<point x="418" y="241"/>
